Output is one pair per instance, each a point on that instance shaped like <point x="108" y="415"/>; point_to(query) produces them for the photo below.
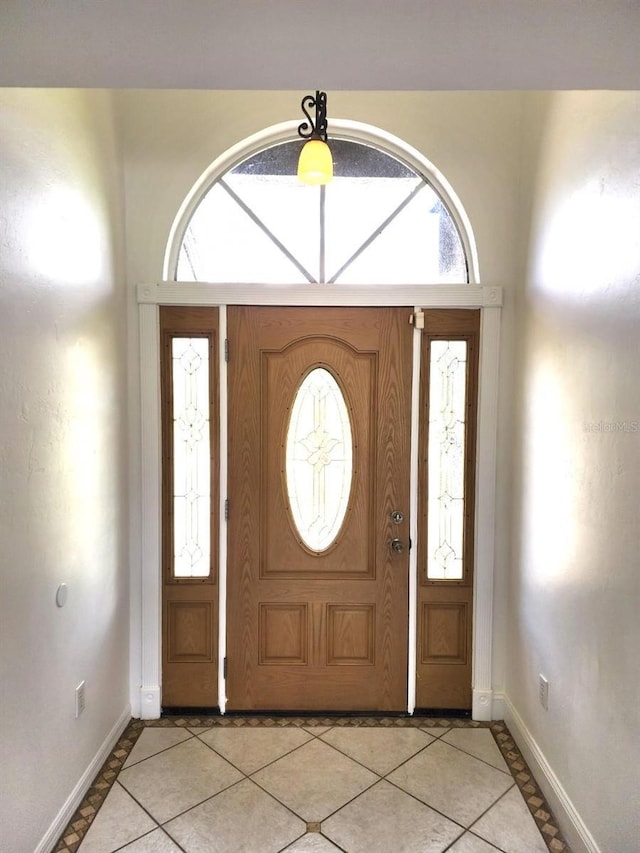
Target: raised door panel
<point x="351" y="634"/>
<point x="283" y="634"/>
<point x="444" y="633"/>
<point x="189" y="631"/>
<point x="351" y="554"/>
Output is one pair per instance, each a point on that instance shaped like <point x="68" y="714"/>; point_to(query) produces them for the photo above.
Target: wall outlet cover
<point x="80" y="699"/>
<point x="544" y="691"/>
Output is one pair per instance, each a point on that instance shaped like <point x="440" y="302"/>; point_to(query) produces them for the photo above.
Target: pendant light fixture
<point x="315" y="165"/>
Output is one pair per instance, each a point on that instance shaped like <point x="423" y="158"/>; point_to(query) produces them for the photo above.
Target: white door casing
<point x="146" y="701"/>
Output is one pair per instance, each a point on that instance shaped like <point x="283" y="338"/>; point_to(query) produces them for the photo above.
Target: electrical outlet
<point x="543" y="687"/>
<point x="80" y="699"/>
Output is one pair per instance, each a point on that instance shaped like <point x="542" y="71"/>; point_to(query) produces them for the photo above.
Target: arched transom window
<point x="380" y="221"/>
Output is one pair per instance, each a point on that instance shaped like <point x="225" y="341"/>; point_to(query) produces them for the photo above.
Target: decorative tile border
<point x="82" y="819"/>
<point x="97" y="793"/>
<point x="275" y="720"/>
<point x="533" y="796"/>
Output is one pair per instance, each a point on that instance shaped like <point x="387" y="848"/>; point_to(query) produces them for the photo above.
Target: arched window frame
<point x="340" y="129"/>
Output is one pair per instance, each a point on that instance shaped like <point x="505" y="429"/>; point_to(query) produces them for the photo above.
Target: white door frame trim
<point x="150" y="296"/>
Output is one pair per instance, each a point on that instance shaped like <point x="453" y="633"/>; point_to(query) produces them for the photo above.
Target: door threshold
<point x="320" y="713"/>
<point x="454" y="713"/>
<point x="457" y="713"/>
<point x="180" y="711"/>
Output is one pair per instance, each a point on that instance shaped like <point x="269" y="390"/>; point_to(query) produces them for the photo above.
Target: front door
<point x="318" y="532"/>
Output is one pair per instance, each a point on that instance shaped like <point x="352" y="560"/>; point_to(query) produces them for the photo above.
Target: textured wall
<point x="63" y="501"/>
<point x="574" y="599"/>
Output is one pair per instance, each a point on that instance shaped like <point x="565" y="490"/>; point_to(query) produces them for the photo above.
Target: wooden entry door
<point x="313" y="628"/>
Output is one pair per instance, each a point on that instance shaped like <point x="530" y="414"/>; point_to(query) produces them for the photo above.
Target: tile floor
<point x="360" y="785"/>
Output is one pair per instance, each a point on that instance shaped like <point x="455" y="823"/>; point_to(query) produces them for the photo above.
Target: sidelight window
<point x="446" y="459"/>
<point x="191" y="474"/>
<point x="449" y="390"/>
<point x="189" y="444"/>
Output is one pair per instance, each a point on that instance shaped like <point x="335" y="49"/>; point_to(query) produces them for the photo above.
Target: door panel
<point x="189" y="604"/>
<point x="327" y="629"/>
<point x="445" y="605"/>
<point x="351" y="555"/>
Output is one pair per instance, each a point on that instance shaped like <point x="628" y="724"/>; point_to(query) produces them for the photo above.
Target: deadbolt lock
<point x="397" y="517"/>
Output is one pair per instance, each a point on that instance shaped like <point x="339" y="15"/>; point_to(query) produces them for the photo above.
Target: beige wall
<point x="63" y="501"/>
<point x="574" y="592"/>
<point x="171" y="137"/>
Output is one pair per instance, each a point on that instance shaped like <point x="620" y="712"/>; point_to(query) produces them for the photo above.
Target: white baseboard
<point x="136" y="702"/>
<point x="75" y="798"/>
<point x="573" y="827"/>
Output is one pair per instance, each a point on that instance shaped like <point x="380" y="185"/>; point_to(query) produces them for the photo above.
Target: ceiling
<point x="330" y="44"/>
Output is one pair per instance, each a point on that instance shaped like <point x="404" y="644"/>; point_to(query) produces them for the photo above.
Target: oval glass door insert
<point x="319" y="459"/>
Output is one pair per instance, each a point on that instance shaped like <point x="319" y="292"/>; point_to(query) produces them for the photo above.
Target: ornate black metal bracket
<point x="318" y="129"/>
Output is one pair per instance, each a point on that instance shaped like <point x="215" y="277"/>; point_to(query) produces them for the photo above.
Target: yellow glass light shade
<point x="315" y="165"/>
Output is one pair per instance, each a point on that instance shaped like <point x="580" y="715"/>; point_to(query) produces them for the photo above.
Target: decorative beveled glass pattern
<point x="191" y="458"/>
<point x="446" y="459"/>
<point x="319" y="458"/>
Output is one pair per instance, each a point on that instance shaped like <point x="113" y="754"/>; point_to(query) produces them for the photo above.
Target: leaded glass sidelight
<point x="446" y="459"/>
<point x="319" y="459"/>
<point x="191" y="458"/>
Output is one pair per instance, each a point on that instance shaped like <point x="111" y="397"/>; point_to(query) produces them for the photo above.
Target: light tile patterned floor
<point x="268" y="784"/>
